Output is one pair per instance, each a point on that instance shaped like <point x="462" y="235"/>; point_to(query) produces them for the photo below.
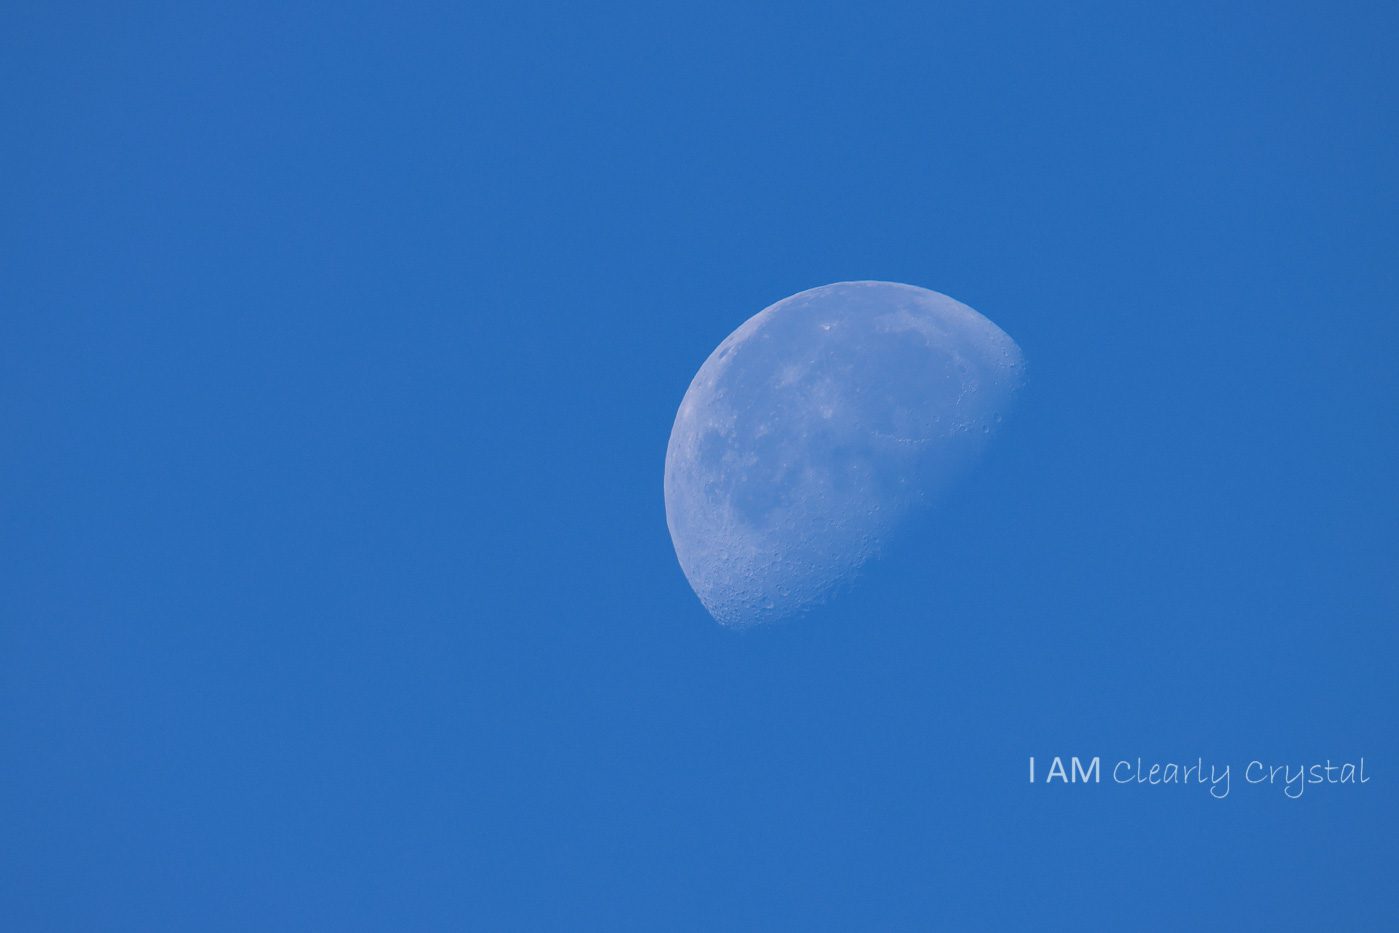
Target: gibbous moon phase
<point x="816" y="430"/>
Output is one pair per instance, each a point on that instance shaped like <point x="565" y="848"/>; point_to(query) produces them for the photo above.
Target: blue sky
<point x="338" y="355"/>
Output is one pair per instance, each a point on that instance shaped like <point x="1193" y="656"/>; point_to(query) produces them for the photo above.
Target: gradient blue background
<point x="339" y="349"/>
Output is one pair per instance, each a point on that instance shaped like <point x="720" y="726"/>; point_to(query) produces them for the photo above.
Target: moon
<point x="813" y="433"/>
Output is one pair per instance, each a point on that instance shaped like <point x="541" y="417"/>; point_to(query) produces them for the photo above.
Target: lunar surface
<point x="816" y="430"/>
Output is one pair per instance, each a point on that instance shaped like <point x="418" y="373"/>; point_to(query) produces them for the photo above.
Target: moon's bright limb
<point x="815" y="429"/>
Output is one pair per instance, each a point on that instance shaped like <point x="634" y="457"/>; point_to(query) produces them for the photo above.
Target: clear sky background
<point x="339" y="349"/>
